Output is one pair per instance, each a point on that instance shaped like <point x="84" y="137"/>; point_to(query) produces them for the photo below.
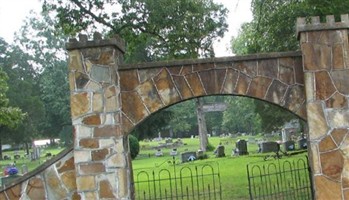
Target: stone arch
<point x="149" y="87"/>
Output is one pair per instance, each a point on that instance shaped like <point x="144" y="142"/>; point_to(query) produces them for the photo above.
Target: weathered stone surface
<point x="92" y="168"/>
<point x="133" y="106"/>
<point x="247" y="67"/>
<point x="128" y="80"/>
<point x="203" y="66"/>
<point x="105" y="190"/>
<point x="99" y="155"/>
<point x="314" y="158"/>
<point x="107" y="56"/>
<point x="212" y="81"/>
<point x="80" y="104"/>
<point x="166" y="88"/>
<point x="327" y="189"/>
<point x="183" y="87"/>
<point x="345" y="174"/>
<point x="123" y="189"/>
<point x="127" y="125"/>
<point x="55" y="189"/>
<point x="82" y="156"/>
<point x="186" y="69"/>
<point x="195" y="84"/>
<point x="295" y="98"/>
<point x="36" y="189"/>
<point x="341" y="80"/>
<point x="89" y="143"/>
<point x="147" y="75"/>
<point x="13" y="192"/>
<point x="81" y="80"/>
<point x="259" y="87"/>
<point x="69" y="180"/>
<point x="67" y="165"/>
<point x="107" y="131"/>
<point x="309" y="79"/>
<point x="75" y="61"/>
<point x="316" y="56"/>
<point x="149" y="95"/>
<point x="276" y="92"/>
<point x="338" y="57"/>
<point x="338" y="135"/>
<point x="316" y="121"/>
<point x="112" y="104"/>
<point x="230" y="81"/>
<point x="76" y="196"/>
<point x="97" y="102"/>
<point x="286" y="71"/>
<point x="92" y="120"/>
<point x="323" y="85"/>
<point x="332" y="164"/>
<point x="242" y="84"/>
<point x="298" y="68"/>
<point x="338" y="118"/>
<point x="268" y="68"/>
<point x="327" y="144"/>
<point x="116" y="160"/>
<point x="101" y="73"/>
<point x="86" y="183"/>
<point x="337" y="101"/>
<point x="176" y="70"/>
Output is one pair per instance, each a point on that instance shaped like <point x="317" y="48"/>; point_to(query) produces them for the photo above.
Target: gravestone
<point x="188" y="156"/>
<point x="173" y="152"/>
<point x="266" y="147"/>
<point x="302" y="143"/>
<point x="159" y="153"/>
<point x="241" y="147"/>
<point x="289" y="146"/>
<point x="220" y="151"/>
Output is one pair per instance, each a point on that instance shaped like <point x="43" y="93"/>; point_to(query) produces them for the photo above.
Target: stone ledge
<point x="97" y="41"/>
<point x="313" y="24"/>
<point x="176" y="63"/>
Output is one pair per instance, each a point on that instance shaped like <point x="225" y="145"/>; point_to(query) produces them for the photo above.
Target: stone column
<point x="100" y="149"/>
<point x="326" y="71"/>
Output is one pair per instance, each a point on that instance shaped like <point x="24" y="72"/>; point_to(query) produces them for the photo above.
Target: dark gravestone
<point x="289" y="146"/>
<point x="220" y="151"/>
<point x="302" y="143"/>
<point x="241" y="147"/>
<point x="188" y="156"/>
<point x="266" y="147"/>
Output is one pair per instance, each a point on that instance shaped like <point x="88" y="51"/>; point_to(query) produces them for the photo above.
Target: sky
<point x="13" y="12"/>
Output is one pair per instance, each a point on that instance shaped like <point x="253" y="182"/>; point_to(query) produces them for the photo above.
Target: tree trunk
<point x="201" y="124"/>
<point x="1" y="158"/>
<point x="27" y="148"/>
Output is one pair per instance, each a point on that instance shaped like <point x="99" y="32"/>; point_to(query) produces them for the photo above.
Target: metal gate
<point x="179" y="181"/>
<point x="280" y="179"/>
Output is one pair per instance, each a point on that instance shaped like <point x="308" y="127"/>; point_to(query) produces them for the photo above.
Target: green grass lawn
<point x="232" y="169"/>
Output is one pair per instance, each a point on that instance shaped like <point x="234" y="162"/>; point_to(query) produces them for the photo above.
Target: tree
<point x="10" y="117"/>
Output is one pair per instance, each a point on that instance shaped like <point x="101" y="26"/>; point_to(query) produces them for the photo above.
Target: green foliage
<point x="134" y="146"/>
<point x="153" y="29"/>
<point x="210" y="147"/>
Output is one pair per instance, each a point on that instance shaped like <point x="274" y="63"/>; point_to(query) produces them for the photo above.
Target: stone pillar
<point x="326" y="70"/>
<point x="100" y="149"/>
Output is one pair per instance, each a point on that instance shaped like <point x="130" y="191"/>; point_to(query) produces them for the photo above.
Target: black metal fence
<point x="280" y="179"/>
<point x="179" y="181"/>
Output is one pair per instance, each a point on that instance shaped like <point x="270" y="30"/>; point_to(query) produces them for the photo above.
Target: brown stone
<point x="341" y="80"/>
<point x="86" y="183"/>
<point x="230" y="81"/>
<point x="195" y="84"/>
<point x="316" y="56"/>
<point x="202" y="66"/>
<point x="92" y="168"/>
<point x="323" y="85"/>
<point x="326" y="189"/>
<point x="242" y="84"/>
<point x="14" y="192"/>
<point x="332" y="164"/>
<point x="133" y="106"/>
<point x="176" y="70"/>
<point x="146" y="75"/>
<point x="186" y="69"/>
<point x="36" y="189"/>
<point x="97" y="102"/>
<point x="316" y="121"/>
<point x="76" y="196"/>
<point x="89" y="143"/>
<point x="295" y="98"/>
<point x="105" y="190"/>
<point x="69" y="180"/>
<point x="212" y="80"/>
<point x="92" y="120"/>
<point x="276" y="92"/>
<point x="246" y="67"/>
<point x="107" y="131"/>
<point x="106" y="57"/>
<point x="345" y="174"/>
<point x="314" y="158"/>
<point x="338" y="57"/>
<point x="268" y="68"/>
<point x="259" y="87"/>
<point x="166" y="88"/>
<point x="99" y="155"/>
<point x="127" y="125"/>
<point x="338" y="135"/>
<point x="327" y="144"/>
<point x="54" y="186"/>
<point x="337" y="101"/>
<point x="67" y="165"/>
<point x="128" y="80"/>
<point x="298" y="68"/>
<point x="183" y="87"/>
<point x="150" y="97"/>
<point x="75" y="61"/>
<point x="286" y="72"/>
<point x="80" y="104"/>
<point x="123" y="188"/>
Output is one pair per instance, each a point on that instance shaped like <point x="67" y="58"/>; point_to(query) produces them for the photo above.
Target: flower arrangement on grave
<point x="11" y="170"/>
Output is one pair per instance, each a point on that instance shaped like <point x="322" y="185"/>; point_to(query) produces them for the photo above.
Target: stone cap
<point x="97" y="41"/>
<point x="314" y="24"/>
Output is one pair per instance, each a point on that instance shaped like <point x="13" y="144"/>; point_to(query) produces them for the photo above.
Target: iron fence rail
<point x="280" y="179"/>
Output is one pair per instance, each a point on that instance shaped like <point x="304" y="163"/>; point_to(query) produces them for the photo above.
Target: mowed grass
<point x="232" y="169"/>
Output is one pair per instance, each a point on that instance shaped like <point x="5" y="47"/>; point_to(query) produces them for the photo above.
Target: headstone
<point x="302" y="143"/>
<point x="24" y="169"/>
<point x="188" y="156"/>
<point x="220" y="151"/>
<point x="266" y="147"/>
<point x="159" y="153"/>
<point x="289" y="146"/>
<point x="200" y="154"/>
<point x="241" y="147"/>
<point x="173" y="152"/>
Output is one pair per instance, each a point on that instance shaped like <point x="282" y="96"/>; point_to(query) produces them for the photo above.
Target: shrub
<point x="210" y="147"/>
<point x="134" y="146"/>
